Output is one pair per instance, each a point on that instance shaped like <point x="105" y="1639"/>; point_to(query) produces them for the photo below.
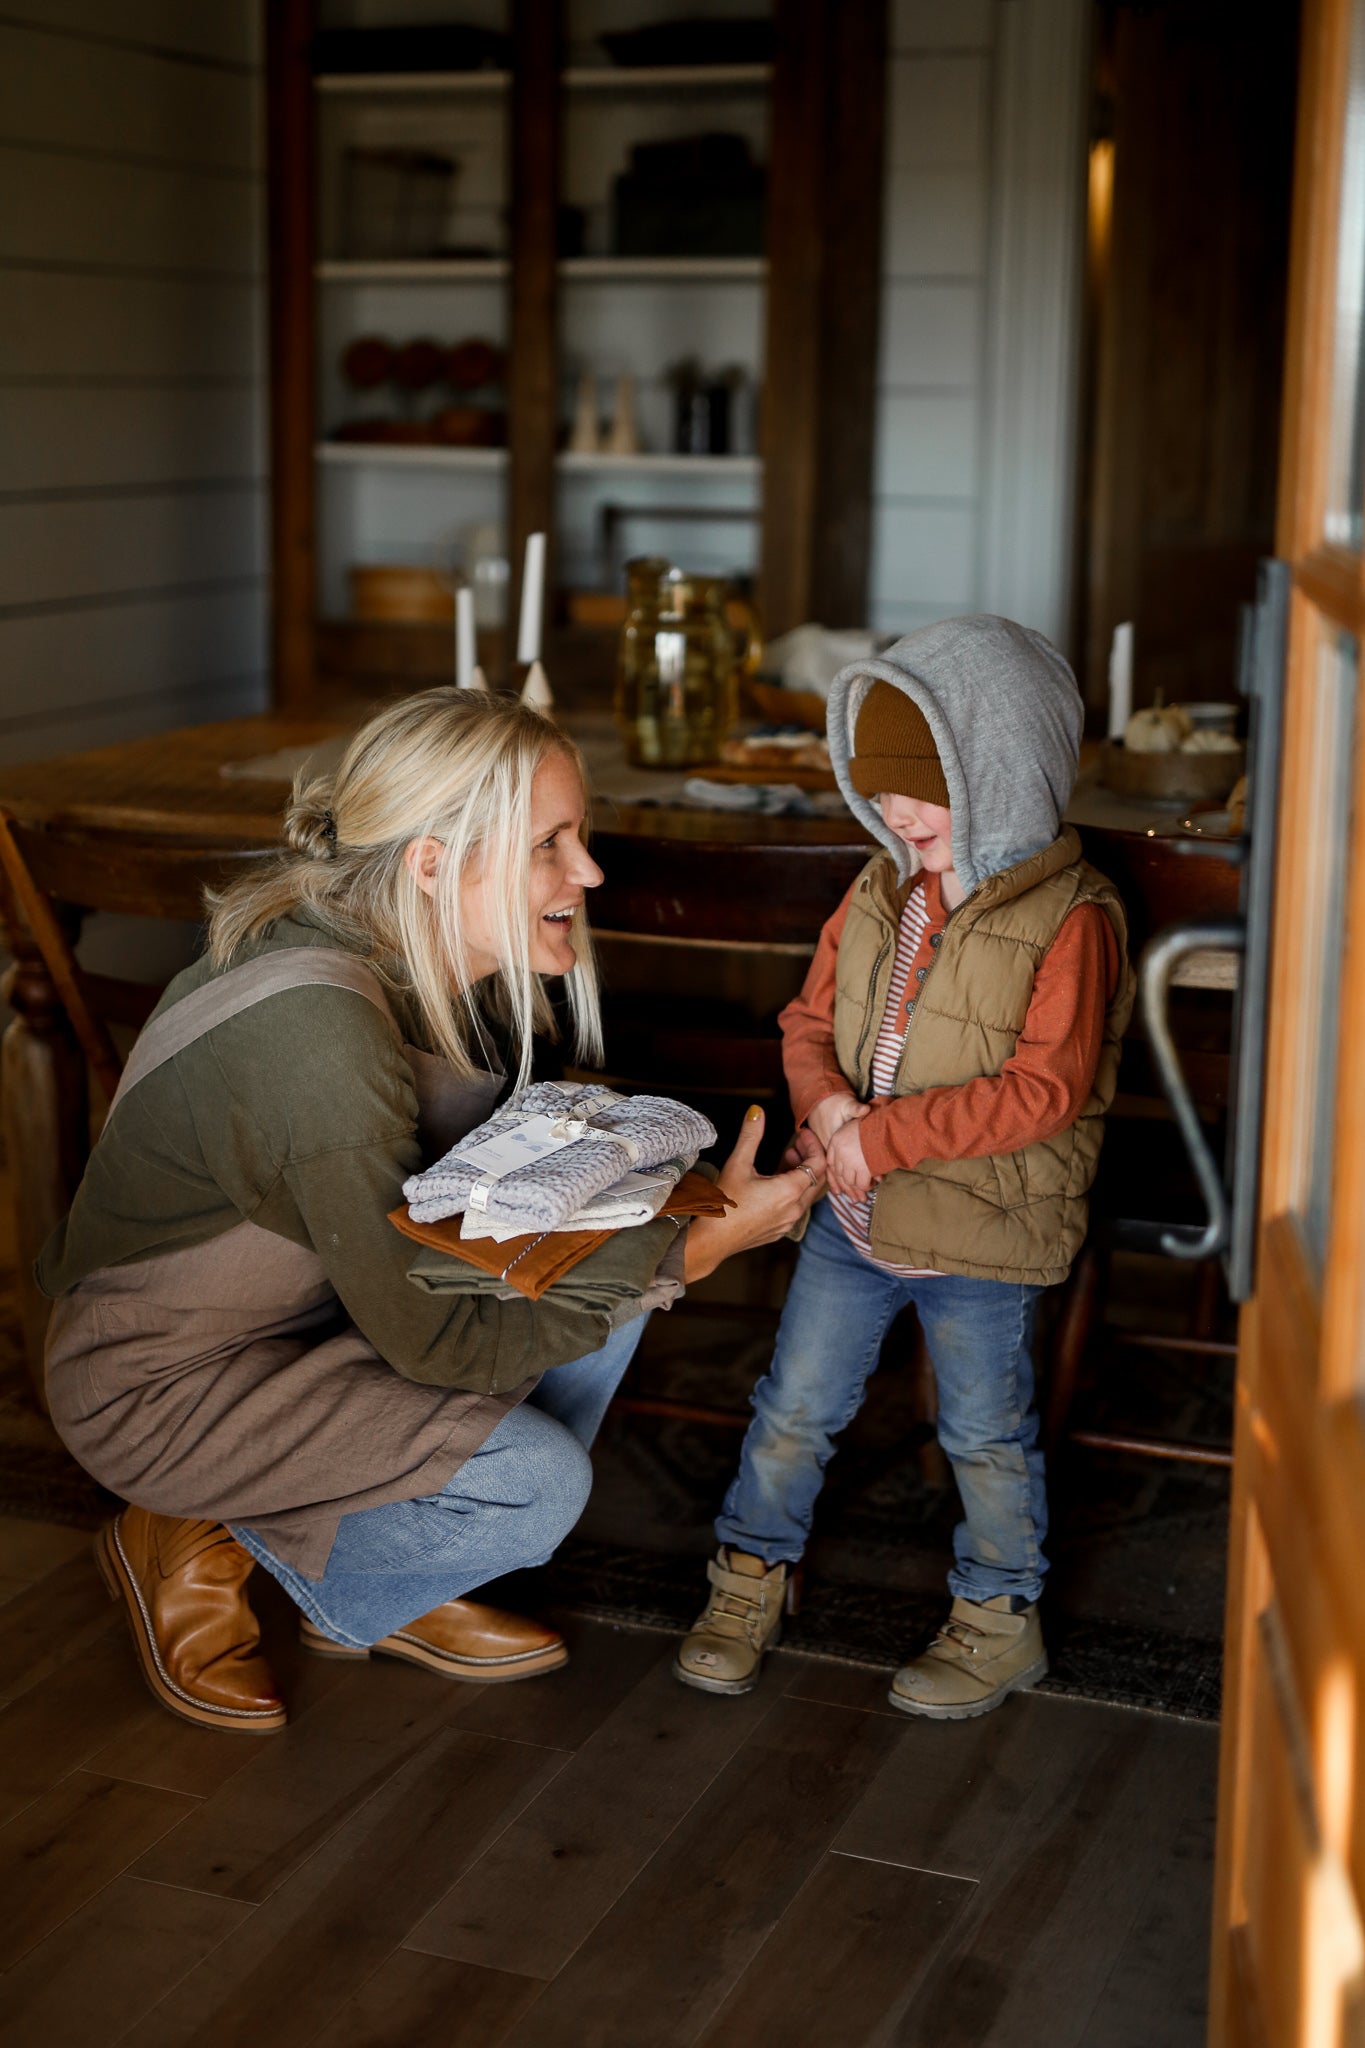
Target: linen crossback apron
<point x="226" y="1381"/>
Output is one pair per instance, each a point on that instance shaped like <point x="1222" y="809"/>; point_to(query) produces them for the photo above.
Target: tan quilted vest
<point x="1012" y="1215"/>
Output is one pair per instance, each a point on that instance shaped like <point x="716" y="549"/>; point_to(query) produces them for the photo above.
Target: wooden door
<point x="1289" y="1941"/>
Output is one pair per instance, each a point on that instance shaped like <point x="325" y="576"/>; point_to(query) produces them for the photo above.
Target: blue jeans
<point x="979" y="1334"/>
<point x="509" y="1507"/>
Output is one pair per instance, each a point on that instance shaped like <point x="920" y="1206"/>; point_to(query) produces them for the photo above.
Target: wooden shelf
<point x="429" y="84"/>
<point x="603" y="78"/>
<point x="735" y="466"/>
<point x="663" y="269"/>
<point x="398" y="455"/>
<point x="412" y="270"/>
<point x="573" y="269"/>
<point x="627" y="78"/>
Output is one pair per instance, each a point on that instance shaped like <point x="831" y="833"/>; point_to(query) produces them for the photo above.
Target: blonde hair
<point x="451" y="765"/>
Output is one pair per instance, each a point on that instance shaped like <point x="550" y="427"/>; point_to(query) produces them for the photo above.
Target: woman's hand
<point x="806" y="1154"/>
<point x="849" y="1172"/>
<point x="766" y="1206"/>
<point x="831" y="1114"/>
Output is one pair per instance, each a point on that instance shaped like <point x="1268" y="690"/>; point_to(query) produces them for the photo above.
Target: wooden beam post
<point x="850" y="313"/>
<point x="533" y="374"/>
<point x="824" y="309"/>
<point x="789" y="439"/>
<point x="289" y="130"/>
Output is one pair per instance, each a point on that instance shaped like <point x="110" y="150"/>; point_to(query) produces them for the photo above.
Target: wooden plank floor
<point x="600" y="1859"/>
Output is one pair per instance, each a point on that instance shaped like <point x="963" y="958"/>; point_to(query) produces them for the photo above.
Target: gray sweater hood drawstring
<point x="1006" y="717"/>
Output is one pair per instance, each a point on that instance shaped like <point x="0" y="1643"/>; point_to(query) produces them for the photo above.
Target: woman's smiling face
<point x="561" y="870"/>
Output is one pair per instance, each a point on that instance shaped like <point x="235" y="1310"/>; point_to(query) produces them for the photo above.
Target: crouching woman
<point x="235" y="1347"/>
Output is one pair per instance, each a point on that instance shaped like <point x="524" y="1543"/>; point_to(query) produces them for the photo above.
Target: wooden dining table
<point x="142" y="828"/>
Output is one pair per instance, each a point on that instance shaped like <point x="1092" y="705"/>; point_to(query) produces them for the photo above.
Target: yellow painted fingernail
<point x="752" y="1113"/>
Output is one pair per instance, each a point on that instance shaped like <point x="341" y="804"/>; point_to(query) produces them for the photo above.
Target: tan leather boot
<point x="183" y="1585"/>
<point x="981" y="1654"/>
<point x="460" y="1640"/>
<point x="739" y="1623"/>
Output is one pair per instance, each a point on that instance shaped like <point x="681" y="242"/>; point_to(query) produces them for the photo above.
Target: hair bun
<point x="309" y="825"/>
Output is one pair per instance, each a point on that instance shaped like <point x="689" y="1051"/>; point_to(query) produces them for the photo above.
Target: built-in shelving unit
<point x="536" y="150"/>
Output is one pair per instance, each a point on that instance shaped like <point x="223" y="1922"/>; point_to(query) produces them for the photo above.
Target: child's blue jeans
<point x="508" y="1507"/>
<point x="979" y="1334"/>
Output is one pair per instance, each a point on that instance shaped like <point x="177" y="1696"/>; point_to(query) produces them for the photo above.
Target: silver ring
<point x="813" y="1178"/>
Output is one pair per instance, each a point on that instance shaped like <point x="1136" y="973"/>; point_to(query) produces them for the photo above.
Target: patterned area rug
<point x="1091" y="1659"/>
<point x="1134" y="1608"/>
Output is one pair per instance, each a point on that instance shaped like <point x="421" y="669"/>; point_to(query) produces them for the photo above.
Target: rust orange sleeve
<point x="807" y="1026"/>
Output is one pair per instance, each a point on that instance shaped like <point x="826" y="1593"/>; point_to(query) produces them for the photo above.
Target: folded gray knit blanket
<point x="615" y="1134"/>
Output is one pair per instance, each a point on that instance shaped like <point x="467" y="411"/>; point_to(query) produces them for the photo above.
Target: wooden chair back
<point x="53" y="875"/>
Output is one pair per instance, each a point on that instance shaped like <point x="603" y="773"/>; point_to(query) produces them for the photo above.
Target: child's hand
<point x="829" y="1115"/>
<point x="849" y="1172"/>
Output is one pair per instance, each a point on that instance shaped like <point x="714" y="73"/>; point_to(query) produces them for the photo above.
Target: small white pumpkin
<point x="1207" y="741"/>
<point x="1152" y="732"/>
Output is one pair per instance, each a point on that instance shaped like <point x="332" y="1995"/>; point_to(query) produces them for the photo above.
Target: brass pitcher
<point x="685" y="643"/>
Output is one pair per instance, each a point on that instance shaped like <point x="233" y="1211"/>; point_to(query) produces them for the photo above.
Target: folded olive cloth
<point x="550" y="1150"/>
<point x="450" y="1264"/>
<point x="607" y="1278"/>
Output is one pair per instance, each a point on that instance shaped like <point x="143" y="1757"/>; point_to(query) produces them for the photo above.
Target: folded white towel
<point x="634" y="1199"/>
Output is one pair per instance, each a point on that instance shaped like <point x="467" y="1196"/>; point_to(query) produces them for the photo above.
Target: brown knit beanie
<point x="893" y="749"/>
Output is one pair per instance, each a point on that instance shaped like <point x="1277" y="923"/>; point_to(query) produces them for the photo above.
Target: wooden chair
<point x="1145" y="1187"/>
<point x="52" y="876"/>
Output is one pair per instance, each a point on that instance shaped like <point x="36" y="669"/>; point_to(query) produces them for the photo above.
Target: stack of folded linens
<point x="541" y="1195"/>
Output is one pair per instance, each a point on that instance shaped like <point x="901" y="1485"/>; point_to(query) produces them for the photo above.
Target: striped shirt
<point x="914" y="931"/>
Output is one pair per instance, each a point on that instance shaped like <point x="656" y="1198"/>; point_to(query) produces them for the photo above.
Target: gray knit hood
<point x="1006" y="717"/>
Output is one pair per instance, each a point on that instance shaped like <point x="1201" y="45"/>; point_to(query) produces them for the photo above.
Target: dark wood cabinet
<point x="801" y="494"/>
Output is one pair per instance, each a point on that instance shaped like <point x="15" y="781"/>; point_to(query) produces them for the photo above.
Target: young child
<point x="950" y="1060"/>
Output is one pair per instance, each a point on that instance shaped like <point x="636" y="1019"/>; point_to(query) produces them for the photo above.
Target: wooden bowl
<point x="787" y="707"/>
<point x="395" y="591"/>
<point x="1170" y="778"/>
<point x="470" y="426"/>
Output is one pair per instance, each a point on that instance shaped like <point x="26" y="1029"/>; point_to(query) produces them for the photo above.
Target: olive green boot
<point x="742" y="1619"/>
<point x="981" y="1654"/>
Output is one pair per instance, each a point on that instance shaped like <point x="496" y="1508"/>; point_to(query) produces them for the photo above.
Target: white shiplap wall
<point x="978" y="352"/>
<point x="132" y="393"/>
<point x="927" y="481"/>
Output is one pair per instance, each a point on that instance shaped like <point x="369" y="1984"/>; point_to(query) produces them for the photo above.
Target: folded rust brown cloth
<point x="533" y="1264"/>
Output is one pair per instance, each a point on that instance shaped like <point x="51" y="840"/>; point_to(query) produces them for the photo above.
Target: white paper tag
<point x="523" y="1145"/>
<point x="637" y="1184"/>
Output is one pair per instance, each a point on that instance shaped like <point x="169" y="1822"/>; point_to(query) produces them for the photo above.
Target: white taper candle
<point x="464" y="636"/>
<point x="532" y="598"/>
<point x="536" y="691"/>
<point x="1120" y="680"/>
